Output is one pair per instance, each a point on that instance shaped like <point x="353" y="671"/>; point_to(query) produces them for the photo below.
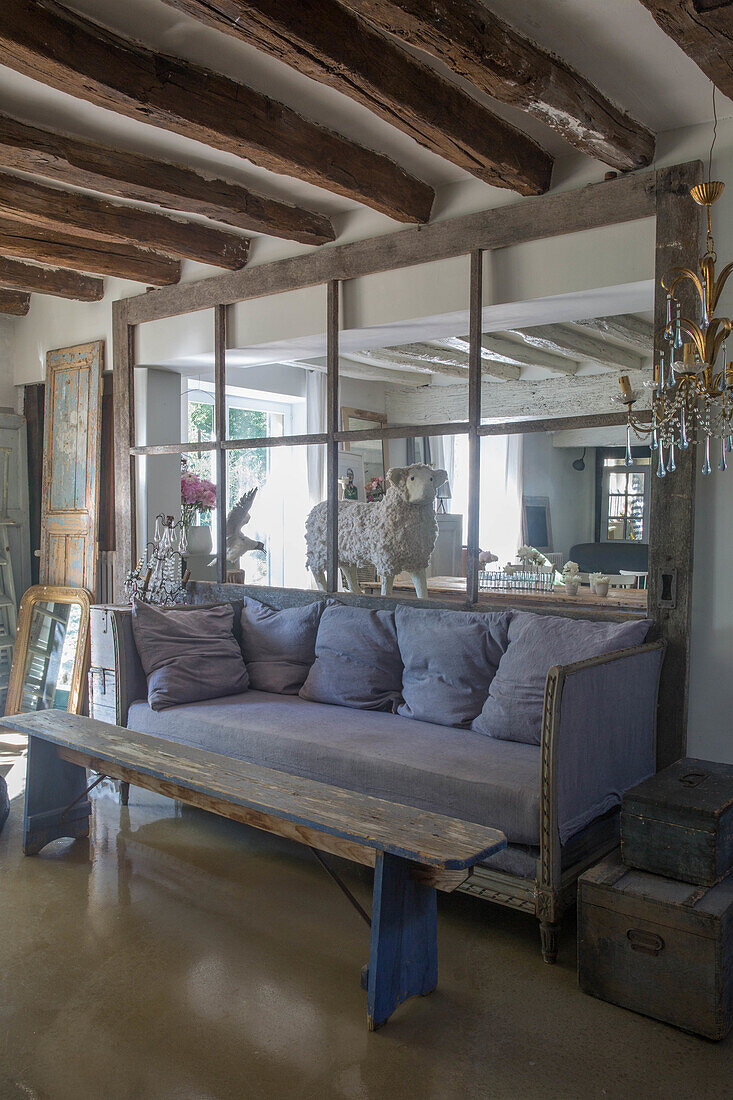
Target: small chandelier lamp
<point x="692" y="386"/>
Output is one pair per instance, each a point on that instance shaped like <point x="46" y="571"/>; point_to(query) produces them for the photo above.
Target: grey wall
<point x="548" y="472"/>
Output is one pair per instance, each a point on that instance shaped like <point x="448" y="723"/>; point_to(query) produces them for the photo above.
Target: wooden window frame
<point x="663" y="194"/>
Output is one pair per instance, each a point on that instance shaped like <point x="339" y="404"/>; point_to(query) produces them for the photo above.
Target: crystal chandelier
<point x="692" y="384"/>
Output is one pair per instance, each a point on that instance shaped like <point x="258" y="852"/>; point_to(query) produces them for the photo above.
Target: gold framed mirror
<point x="51" y="652"/>
<point x="374" y="452"/>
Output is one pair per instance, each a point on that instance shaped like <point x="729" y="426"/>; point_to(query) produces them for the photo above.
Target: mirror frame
<point x="380" y="419"/>
<point x="50" y="593"/>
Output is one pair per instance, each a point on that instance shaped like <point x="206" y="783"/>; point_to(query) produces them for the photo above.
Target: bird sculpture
<point x="238" y="543"/>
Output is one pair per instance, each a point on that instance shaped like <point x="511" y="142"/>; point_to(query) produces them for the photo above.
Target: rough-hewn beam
<point x="632" y="330"/>
<point x="13" y="303"/>
<point x="611" y="202"/>
<point x="82" y="163"/>
<point x="437" y="357"/>
<point x="349" y="368"/>
<point x="25" y="241"/>
<point x="705" y="35"/>
<point x="564" y="340"/>
<point x="517" y="353"/>
<point x="77" y="56"/>
<point x="328" y="43"/>
<point x="561" y="396"/>
<point x="504" y="64"/>
<point x="47" y="280"/>
<point x="84" y="215"/>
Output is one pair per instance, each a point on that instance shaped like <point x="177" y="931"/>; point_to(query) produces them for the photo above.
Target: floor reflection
<point x="178" y="955"/>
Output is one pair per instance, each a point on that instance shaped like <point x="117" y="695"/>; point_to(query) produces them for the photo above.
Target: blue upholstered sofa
<point x="556" y="801"/>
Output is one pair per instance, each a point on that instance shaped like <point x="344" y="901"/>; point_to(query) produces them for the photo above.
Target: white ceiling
<point x="616" y="44"/>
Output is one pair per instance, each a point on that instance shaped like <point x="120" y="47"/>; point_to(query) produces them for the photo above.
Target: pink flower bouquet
<point x="198" y="496"/>
<point x="375" y="489"/>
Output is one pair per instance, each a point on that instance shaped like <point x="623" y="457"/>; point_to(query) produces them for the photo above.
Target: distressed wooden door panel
<point x="69" y="516"/>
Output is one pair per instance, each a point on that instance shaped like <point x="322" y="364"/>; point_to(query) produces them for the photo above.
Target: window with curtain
<point x="500" y="515"/>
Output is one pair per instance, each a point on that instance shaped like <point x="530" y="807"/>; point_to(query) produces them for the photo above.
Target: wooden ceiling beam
<point x="704" y="32"/>
<point x="13" y="303"/>
<point x="325" y="41"/>
<point x="113" y="171"/>
<point x="574" y="344"/>
<point x="447" y="357"/>
<point x="627" y="327"/>
<point x="50" y="280"/>
<point x="493" y="365"/>
<point x="516" y="353"/>
<point x="82" y="216"/>
<point x="26" y="241"/>
<point x="547" y="397"/>
<point x="78" y="56"/>
<point x="502" y="63"/>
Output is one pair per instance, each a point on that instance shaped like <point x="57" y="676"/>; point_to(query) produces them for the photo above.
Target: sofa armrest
<point x="598" y="739"/>
<point x="131" y="681"/>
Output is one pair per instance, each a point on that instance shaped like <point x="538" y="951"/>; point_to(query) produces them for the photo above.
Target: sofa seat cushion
<point x="357" y="663"/>
<point x="513" y="710"/>
<point x="454" y="772"/>
<point x="279" y="646"/>
<point x="450" y="659"/>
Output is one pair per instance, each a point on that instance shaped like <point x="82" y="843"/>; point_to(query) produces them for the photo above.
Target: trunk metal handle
<point x="649" y="943"/>
<point x="693" y="779"/>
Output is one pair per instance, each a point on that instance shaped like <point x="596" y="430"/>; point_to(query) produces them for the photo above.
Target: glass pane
<point x="174" y="380"/>
<point x="636" y="483"/>
<point x="270" y="492"/>
<point x="617" y="482"/>
<point x="276" y="365"/>
<point x="184" y="488"/>
<point x="403" y="346"/>
<point x="49" y="665"/>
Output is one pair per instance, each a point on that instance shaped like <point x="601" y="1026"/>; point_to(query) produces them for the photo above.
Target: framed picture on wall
<point x="536" y="526"/>
<point x="351" y="476"/>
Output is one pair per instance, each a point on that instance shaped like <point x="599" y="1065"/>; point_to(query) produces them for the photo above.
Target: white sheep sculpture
<point x="393" y="534"/>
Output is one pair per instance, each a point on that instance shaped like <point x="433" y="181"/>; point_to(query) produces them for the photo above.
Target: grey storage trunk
<point x="661" y="948"/>
<point x="679" y="822"/>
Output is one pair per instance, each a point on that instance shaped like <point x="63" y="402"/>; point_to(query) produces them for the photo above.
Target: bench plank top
<point x="431" y="839"/>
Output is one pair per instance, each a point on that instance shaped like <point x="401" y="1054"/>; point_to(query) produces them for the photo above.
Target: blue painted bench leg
<point x="403" y="956"/>
<point x="51" y="785"/>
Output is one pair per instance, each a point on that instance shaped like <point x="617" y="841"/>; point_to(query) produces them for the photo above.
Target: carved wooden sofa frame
<point x="553" y="889"/>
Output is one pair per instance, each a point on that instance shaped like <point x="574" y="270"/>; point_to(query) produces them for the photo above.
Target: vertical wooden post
<point x="123" y="358"/>
<point x="220" y="432"/>
<point x="474" y="420"/>
<point x="672" y="518"/>
<point x="332" y="425"/>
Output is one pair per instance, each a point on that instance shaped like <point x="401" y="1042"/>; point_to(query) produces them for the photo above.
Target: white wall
<point x="7" y="365"/>
<point x="548" y="472"/>
<point x="603" y="258"/>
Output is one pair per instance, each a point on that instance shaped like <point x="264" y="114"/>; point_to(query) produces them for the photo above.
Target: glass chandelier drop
<point x="692" y="384"/>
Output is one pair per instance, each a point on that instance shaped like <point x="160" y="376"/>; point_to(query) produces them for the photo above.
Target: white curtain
<point x="315" y="399"/>
<point x="500" y="516"/>
<point x="500" y="521"/>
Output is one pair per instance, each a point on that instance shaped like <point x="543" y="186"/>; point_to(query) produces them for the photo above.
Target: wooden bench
<point x="414" y="853"/>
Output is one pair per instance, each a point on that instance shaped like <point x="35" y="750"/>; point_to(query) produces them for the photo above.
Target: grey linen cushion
<point x="279" y="646"/>
<point x="189" y="654"/>
<point x="357" y="662"/>
<point x="450" y="658"/>
<point x="513" y="710"/>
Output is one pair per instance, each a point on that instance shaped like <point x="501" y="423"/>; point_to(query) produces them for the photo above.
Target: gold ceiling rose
<point x="692" y="396"/>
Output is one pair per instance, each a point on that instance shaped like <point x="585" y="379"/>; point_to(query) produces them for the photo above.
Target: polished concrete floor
<point x="178" y="956"/>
